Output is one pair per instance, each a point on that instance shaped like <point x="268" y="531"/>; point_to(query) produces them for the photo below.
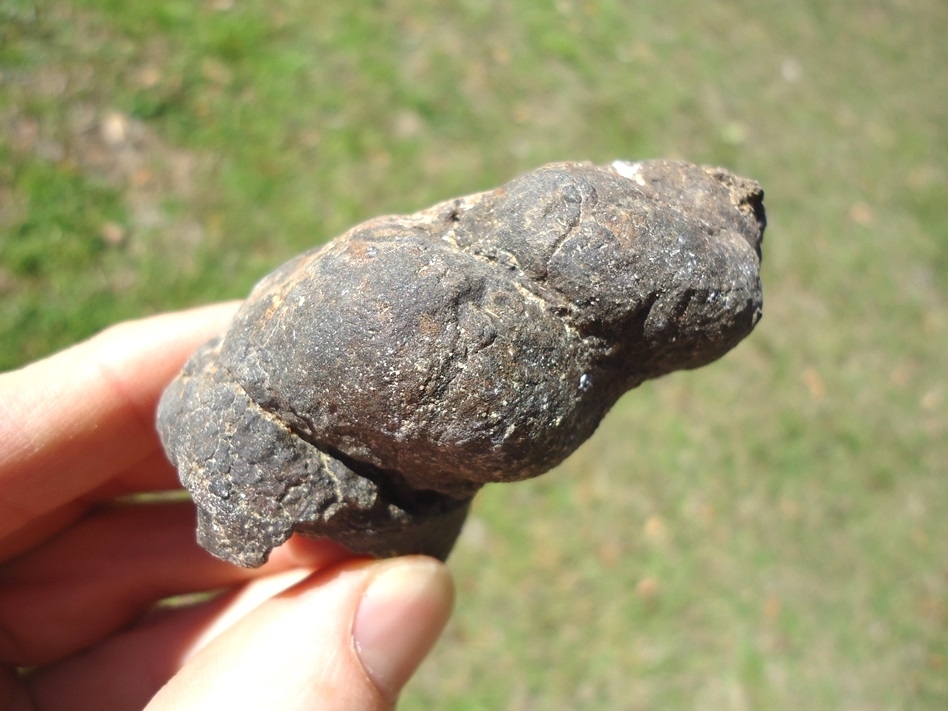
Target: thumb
<point x="345" y="638"/>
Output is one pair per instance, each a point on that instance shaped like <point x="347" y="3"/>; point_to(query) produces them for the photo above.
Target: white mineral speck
<point x="628" y="170"/>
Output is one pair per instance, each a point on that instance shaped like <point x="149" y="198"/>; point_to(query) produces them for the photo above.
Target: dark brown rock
<point x="366" y="390"/>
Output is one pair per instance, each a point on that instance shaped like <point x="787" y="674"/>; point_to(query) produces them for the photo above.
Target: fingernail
<point x="399" y="618"/>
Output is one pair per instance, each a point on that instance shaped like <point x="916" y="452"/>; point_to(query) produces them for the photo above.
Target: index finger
<point x="72" y="421"/>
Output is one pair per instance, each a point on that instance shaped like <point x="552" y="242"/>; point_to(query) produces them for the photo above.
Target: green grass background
<point x="770" y="532"/>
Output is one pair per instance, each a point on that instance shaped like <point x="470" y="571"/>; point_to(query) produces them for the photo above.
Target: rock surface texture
<point x="366" y="390"/>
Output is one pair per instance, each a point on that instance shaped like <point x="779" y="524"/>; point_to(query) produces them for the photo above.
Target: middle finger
<point x="109" y="568"/>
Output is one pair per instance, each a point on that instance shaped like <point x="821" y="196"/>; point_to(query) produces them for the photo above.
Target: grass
<point x="769" y="532"/>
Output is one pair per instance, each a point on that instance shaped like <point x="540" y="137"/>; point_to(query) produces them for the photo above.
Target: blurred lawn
<point x="770" y="532"/>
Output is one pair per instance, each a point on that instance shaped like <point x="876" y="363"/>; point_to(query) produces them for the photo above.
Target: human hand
<point x="81" y="568"/>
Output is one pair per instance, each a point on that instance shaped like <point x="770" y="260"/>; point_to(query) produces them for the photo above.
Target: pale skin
<point x="80" y="572"/>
